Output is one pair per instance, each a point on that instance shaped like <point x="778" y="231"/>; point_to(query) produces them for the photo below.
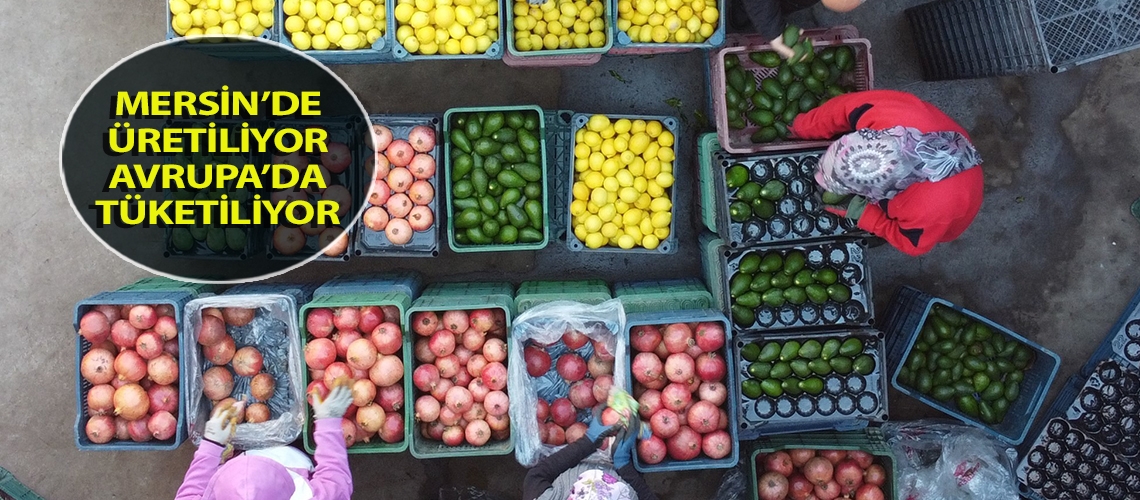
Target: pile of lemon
<point x="559" y="24"/>
<point x="623" y="172"/>
<point x="191" y="18"/>
<point x="668" y="21"/>
<point x="334" y="24"/>
<point x="450" y="27"/>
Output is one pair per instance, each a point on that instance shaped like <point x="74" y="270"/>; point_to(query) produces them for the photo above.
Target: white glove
<point x="221" y="426"/>
<point x="334" y="405"/>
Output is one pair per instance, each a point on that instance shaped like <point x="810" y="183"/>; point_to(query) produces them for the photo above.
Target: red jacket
<point x="924" y="214"/>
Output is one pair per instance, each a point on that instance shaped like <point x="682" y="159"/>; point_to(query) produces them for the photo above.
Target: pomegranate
<point x="800" y="456"/>
<point x="684" y="445"/>
<point x="644" y="338"/>
<point x="100" y="429"/>
<point x="496" y="403"/>
<point x="386" y="371"/>
<point x="647" y="368"/>
<point x="442" y="343"/>
<point x="649" y="403"/>
<point x="422" y="352"/>
<point x="220" y="353"/>
<point x="97" y="366"/>
<point x="346" y="318"/>
<point x="320" y="353"/>
<point x="869" y="492"/>
<point x="392" y="430"/>
<point x="448" y="366"/>
<point x="716" y="444"/>
<point x="651" y="451"/>
<point x="713" y="392"/>
<point x="862" y="458"/>
<point x="370" y="318"/>
<point x="703" y="417"/>
<point x="575" y="339"/>
<point x="262" y="386"/>
<point x="555" y="435"/>
<point x="449" y="417"/>
<point x="370" y="418"/>
<point x="819" y="471"/>
<point x="427" y="408"/>
<point x="122" y="428"/>
<point x="257" y="413"/>
<point x="679" y="368"/>
<point x="482" y="320"/>
<point x="676" y="397"/>
<point x="247" y="361"/>
<point x="425" y="377"/>
<point x="602" y="387"/>
<point x="166" y="328"/>
<point x="476" y="412"/>
<point x="582" y="394"/>
<point x="336" y="370"/>
<point x="422" y="139"/>
<point x="422" y="168"/>
<point x="710" y="336"/>
<point x="217" y="383"/>
<point x="361" y="354"/>
<point x="131" y="402"/>
<point x="95" y="327"/>
<point x="348" y="430"/>
<point x="610" y="416"/>
<point x="833" y="456"/>
<point x="456" y="322"/>
<point x="163" y="369"/>
<point x="162" y="425"/>
<point x="571" y="367"/>
<point x="210" y="332"/>
<point x="458" y="399"/>
<point x="664" y="423"/>
<point x="799" y="488"/>
<point x="463" y="354"/>
<point x="849" y="475"/>
<point x="391" y="398"/>
<point x="381" y="137"/>
<point x="495" y="350"/>
<point x="337" y="157"/>
<point x="142" y="317"/>
<point x="494" y="376"/>
<point x="441" y="388"/>
<point x="599" y="367"/>
<point x="433" y="430"/>
<point x="677" y="338"/>
<point x="100" y="399"/>
<point x="602" y="352"/>
<point x="575" y="432"/>
<point x="400" y="153"/>
<point x="875" y="474"/>
<point x="542" y="410"/>
<point x="425" y="323"/>
<point x="473" y="340"/>
<point x="476" y="364"/>
<point x="170" y="348"/>
<point x="124" y="335"/>
<point x="138" y="430"/>
<point x="319" y="322"/>
<point x="392" y="314"/>
<point x="779" y="462"/>
<point x="827" y="491"/>
<point x="711" y="367"/>
<point x="453" y="435"/>
<point x="661" y="351"/>
<point x="562" y="412"/>
<point x="238" y="316"/>
<point x="772" y="486"/>
<point x="110" y="311"/>
<point x="387" y="338"/>
<point x="161" y="397"/>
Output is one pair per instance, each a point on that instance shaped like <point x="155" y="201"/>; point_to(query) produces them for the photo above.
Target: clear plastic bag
<point x="733" y="485"/>
<point x="939" y="460"/>
<point x="274" y="333"/>
<point x="545" y="324"/>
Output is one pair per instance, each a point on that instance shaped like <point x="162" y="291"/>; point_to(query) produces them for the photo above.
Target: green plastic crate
<point x="556" y="54"/>
<point x="164" y="284"/>
<point x="14" y="489"/>
<point x="446" y="297"/>
<point x="533" y="293"/>
<point x="869" y="440"/>
<point x="712" y="271"/>
<point x="394" y="298"/>
<point x="663" y="295"/>
<point x="544" y="182"/>
<point x="707" y="145"/>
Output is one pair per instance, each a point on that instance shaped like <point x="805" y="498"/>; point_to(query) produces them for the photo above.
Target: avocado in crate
<point x="799" y="286"/>
<point x="772" y="198"/>
<point x="811" y="381"/>
<point x="856" y="465"/>
<point x="496" y="175"/>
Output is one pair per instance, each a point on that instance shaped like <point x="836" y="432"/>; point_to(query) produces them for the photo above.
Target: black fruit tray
<point x="846" y="258"/>
<point x="848" y="402"/>
<point x="799" y="213"/>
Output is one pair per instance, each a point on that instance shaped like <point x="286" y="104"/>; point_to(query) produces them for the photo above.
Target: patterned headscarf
<point x="878" y="164"/>
<point x="595" y="484"/>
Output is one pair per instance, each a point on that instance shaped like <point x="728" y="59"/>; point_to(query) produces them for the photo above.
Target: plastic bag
<point x="733" y="485"/>
<point x="938" y="460"/>
<point x="274" y="333"/>
<point x="545" y="324"/>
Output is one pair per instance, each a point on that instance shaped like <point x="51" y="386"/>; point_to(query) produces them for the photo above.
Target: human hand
<point x="851" y="209"/>
<point x="597" y="430"/>
<point x="780" y="48"/>
<point x="626" y="443"/>
<point x="335" y="403"/>
<point x="222" y="424"/>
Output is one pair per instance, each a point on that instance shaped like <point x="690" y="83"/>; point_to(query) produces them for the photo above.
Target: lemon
<point x="325" y="10"/>
<point x="650" y="242"/>
<point x="214" y="30"/>
<point x="639" y="183"/>
<point x="231" y="28"/>
<point x="611" y="186"/>
<point x="581" y="41"/>
<point x="334" y="32"/>
<point x="624" y="25"/>
<point x="373" y="35"/>
<point x="211" y="19"/>
<point x="365" y="23"/>
<point x="351" y="41"/>
<point x="426" y="35"/>
<point x="581" y="150"/>
<point x="652" y="168"/>
<point x="429" y="48"/>
<point x="444" y="16"/>
<point x="597" y="123"/>
<point x="457" y="32"/>
<point x="597" y="39"/>
<point x="411" y="44"/>
<point x="628" y="194"/>
<point x="596" y="161"/>
<point x="243" y="7"/>
<point x="182" y="23"/>
<point x="710" y="15"/>
<point x="593" y="180"/>
<point x="656" y="19"/>
<point x="624" y="178"/>
<point x="595" y="240"/>
<point x="609" y="229"/>
<point x="227" y="6"/>
<point x="654" y="189"/>
<point x="403" y="32"/>
<point x="580" y="232"/>
<point x="195" y="31"/>
<point x="599" y="196"/>
<point x="706" y="30"/>
<point x="179" y="7"/>
<point x="479" y="28"/>
<point x="664" y="179"/>
<point x="646" y="7"/>
<point x="581" y="190"/>
<point x="419" y="20"/>
<point x="316" y="27"/>
<point x="626" y="241"/>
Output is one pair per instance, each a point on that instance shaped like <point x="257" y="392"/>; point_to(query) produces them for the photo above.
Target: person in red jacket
<point x="915" y="176"/>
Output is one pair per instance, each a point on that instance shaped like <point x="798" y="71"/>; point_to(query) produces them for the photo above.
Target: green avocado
<point x="773" y="190"/>
<point x="181" y="239"/>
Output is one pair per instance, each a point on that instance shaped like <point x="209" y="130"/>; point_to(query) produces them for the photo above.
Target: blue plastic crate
<point x="381" y="50"/>
<point x="271" y="34"/>
<point x="693" y="316"/>
<point x="1123" y="341"/>
<point x="407" y="282"/>
<point x="868" y="403"/>
<point x="176" y="299"/>
<point x="300" y="292"/>
<point x="400" y="54"/>
<point x="624" y="45"/>
<point x="903" y="330"/>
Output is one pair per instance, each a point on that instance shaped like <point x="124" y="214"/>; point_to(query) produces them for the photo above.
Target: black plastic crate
<point x="976" y="38"/>
<point x="1123" y="341"/>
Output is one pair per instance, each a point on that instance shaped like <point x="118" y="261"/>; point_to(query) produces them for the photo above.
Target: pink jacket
<point x="257" y="478"/>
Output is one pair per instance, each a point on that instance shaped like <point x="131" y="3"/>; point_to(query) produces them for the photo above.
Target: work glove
<point x="626" y="442"/>
<point x="223" y="423"/>
<point x="335" y="404"/>
<point x="598" y="431"/>
<point x="851" y="209"/>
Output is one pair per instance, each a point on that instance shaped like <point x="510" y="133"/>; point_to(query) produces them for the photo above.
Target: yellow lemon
<point x="425" y="35"/>
<point x="593" y="180"/>
<point x="654" y="189"/>
<point x="637" y="166"/>
<point x="609" y="229"/>
<point x="478" y="28"/>
<point x="365" y="23"/>
<point x="373" y="35"/>
<point x="464" y="15"/>
<point x="182" y="23"/>
<point x="640" y="184"/>
<point x="643" y="201"/>
<point x="661" y="205"/>
<point x="662" y="219"/>
<point x="652" y="167"/>
<point x="444" y="16"/>
<point x="607" y="212"/>
<point x="646" y="7"/>
<point x="653" y="128"/>
<point x="211" y="18"/>
<point x="404" y="13"/>
<point x="634" y="232"/>
<point x="482" y="43"/>
<point x="580" y="164"/>
<point x="710" y="15"/>
<point x="595" y="240"/>
<point x="325" y="10"/>
<point x="597" y="123"/>
<point x="577" y="207"/>
<point x="610" y="167"/>
<point x="351" y="41"/>
<point x="665" y="154"/>
<point x="580" y="232"/>
<point x="581" y="40"/>
<point x="419" y="20"/>
<point x="608" y="149"/>
<point x="231" y="28"/>
<point x="650" y="242"/>
<point x="341" y="11"/>
<point x="628" y="194"/>
<point x="656" y="19"/>
<point x="661" y="6"/>
<point x="627" y="157"/>
<point x="624" y="25"/>
<point x="683" y="35"/>
<point x="179" y="7"/>
<point x="581" y="151"/>
<point x="405" y="31"/>
<point x="227" y="6"/>
<point x="411" y="44"/>
<point x="593" y="223"/>
<point x="611" y="185"/>
<point x="664" y="179"/>
<point x="706" y="30"/>
<point x="638" y="143"/>
<point x="626" y="242"/>
<point x="596" y="161"/>
<point x="624" y="178"/>
<point x="247" y="21"/>
<point x="599" y="196"/>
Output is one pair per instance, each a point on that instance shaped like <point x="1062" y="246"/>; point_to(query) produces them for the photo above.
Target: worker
<point x="915" y="176"/>
<point x="276" y="473"/>
<point x="766" y="17"/>
<point x="573" y="473"/>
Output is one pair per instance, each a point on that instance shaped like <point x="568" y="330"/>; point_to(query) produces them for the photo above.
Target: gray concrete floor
<point x="1051" y="255"/>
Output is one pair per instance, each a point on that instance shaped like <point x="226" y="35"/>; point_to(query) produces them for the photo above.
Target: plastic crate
<point x="406" y="282"/>
<point x="663" y="295"/>
<point x="669" y="244"/>
<point x="400" y="54"/>
<point x="176" y="298"/>
<point x="662" y="318"/>
<point x="455" y="246"/>
<point x="624" y="46"/>
<point x="301" y="292"/>
<point x="11" y="488"/>
<point x="533" y="293"/>
<point x="971" y="39"/>
<point x="1123" y="341"/>
<point x="380" y="51"/>
<point x="552" y="58"/>
<point x="799" y="214"/>
<point x="1075" y="33"/>
<point x="402" y="301"/>
<point x="848" y="402"/>
<point x="869" y="440"/>
<point x="707" y="147"/>
<point x="739" y="141"/>
<point x="164" y="283"/>
<point x="423" y="243"/>
<point x="272" y="33"/>
<point x="847" y="258"/>
<point x="560" y="155"/>
<point x="903" y="328"/>
<point x="441" y="297"/>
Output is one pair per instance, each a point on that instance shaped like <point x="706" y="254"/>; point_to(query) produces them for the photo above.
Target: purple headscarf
<point x="878" y="164"/>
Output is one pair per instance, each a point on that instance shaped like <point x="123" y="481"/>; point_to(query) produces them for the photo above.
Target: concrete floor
<point x="1051" y="255"/>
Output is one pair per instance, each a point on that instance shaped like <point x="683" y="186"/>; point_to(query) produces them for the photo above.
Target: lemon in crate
<point x="450" y="27"/>
<point x="668" y="21"/>
<point x="623" y="175"/>
<point x="191" y="18"/>
<point x="559" y="24"/>
<point x="328" y="25"/>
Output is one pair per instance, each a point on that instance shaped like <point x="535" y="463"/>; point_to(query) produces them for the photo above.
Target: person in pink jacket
<point x="276" y="473"/>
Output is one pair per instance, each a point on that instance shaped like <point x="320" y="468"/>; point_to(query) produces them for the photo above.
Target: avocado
<point x="812" y="386"/>
<point x="750" y="351"/>
<point x="735" y="78"/>
<point x="774" y="297"/>
<point x="772" y="87"/>
<point x="750" y="263"/>
<point x="750" y="388"/>
<point x="810" y="349"/>
<point x="830" y="349"/>
<point x="767" y="59"/>
<point x="743" y="316"/>
<point x="739" y="211"/>
<point x="839" y="292"/>
<point x="736" y="176"/>
<point x="770" y="352"/>
<point x="761" y="282"/>
<point x="761" y="100"/>
<point x="773" y="190"/>
<point x="759" y="370"/>
<point x="794" y="262"/>
<point x="795" y="295"/>
<point x="784" y="76"/>
<point x="762" y="117"/>
<point x="198" y="232"/>
<point x="816" y="293"/>
<point x="781" y="281"/>
<point x="766" y="134"/>
<point x="181" y="239"/>
<point x="216" y="239"/>
<point x="790" y="350"/>
<point x="803" y="278"/>
<point x="235" y="239"/>
<point x="763" y="209"/>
